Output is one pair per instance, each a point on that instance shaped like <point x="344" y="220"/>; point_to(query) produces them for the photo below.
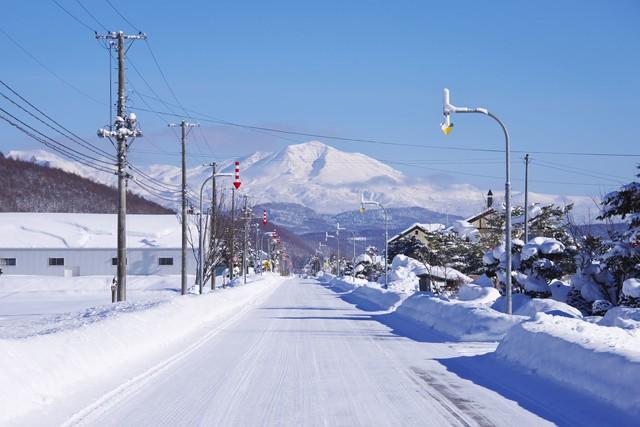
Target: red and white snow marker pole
<point x="236" y="181"/>
<point x="264" y="217"/>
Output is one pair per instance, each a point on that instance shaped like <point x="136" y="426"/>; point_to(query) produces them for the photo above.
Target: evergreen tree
<point x="622" y="259"/>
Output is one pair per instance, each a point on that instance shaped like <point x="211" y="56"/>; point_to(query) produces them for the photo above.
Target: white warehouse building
<point x="71" y="244"/>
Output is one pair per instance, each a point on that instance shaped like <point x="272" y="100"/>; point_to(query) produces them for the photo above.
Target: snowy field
<point x="37" y="305"/>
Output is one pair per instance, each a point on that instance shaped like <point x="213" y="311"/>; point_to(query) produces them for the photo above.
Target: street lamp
<point x="364" y="202"/>
<point x="446" y="127"/>
<point x="319" y="250"/>
<point x="270" y="234"/>
<point x="326" y="239"/>
<point x="353" y="260"/>
<point x="200" y="233"/>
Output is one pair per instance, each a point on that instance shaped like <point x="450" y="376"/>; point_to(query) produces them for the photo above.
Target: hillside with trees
<point x="29" y="187"/>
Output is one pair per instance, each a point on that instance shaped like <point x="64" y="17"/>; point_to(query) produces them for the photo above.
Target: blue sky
<point x="561" y="74"/>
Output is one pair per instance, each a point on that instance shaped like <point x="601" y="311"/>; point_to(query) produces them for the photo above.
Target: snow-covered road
<point x="305" y="357"/>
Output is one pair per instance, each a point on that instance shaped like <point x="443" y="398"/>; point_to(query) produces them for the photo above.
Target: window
<point x="165" y="261"/>
<point x="56" y="261"/>
<point x="7" y="261"/>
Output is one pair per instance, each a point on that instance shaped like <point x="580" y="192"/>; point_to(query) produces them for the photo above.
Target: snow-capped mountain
<point x="317" y="176"/>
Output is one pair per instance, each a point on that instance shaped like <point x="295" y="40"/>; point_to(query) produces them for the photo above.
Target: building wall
<point x="86" y="262"/>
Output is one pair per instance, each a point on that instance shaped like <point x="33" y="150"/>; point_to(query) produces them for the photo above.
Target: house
<point x="72" y="244"/>
<point x="481" y="220"/>
<point x="419" y="231"/>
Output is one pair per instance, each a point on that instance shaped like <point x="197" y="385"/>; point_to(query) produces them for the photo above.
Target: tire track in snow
<point x="101" y="406"/>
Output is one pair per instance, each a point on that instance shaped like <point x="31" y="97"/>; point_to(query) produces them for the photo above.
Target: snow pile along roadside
<point x="601" y="360"/>
<point x="40" y="369"/>
<point x="460" y="320"/>
<point x="365" y="295"/>
<point x="373" y="298"/>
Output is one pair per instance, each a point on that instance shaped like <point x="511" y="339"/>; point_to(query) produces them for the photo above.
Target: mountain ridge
<point x="324" y="179"/>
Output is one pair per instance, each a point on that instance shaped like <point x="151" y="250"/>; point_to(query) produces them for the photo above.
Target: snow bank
<point x="478" y="294"/>
<point x="373" y="298"/>
<point x="631" y="288"/>
<point x="460" y="320"/>
<point x="603" y="361"/>
<point x="403" y="276"/>
<point x="366" y="295"/>
<point x="547" y="306"/>
<point x="41" y="369"/>
<point x="622" y="317"/>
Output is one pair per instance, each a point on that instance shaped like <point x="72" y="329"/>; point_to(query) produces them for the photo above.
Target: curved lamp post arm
<point x="364" y="202"/>
<point x="446" y="126"/>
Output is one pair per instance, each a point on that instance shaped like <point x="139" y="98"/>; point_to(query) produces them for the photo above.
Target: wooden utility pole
<point x="125" y="127"/>
<point x="185" y="221"/>
<point x="246" y="217"/>
<point x="213" y="239"/>
<point x="233" y="226"/>
<point x="526" y="198"/>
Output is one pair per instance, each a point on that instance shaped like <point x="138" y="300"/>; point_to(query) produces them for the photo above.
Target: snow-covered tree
<point x="543" y="260"/>
<point x="537" y="265"/>
<point x="621" y="261"/>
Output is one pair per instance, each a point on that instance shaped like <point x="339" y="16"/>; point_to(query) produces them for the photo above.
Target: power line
<point x="75" y="18"/>
<point x="580" y="171"/>
<point x="92" y="16"/>
<point x="123" y="17"/>
<point x="53" y="141"/>
<point x="54" y="147"/>
<point x="74" y="137"/>
<point x="211" y="119"/>
<point x="49" y="70"/>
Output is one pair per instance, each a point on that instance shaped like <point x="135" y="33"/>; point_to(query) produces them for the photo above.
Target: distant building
<point x="419" y="231"/>
<point x="481" y="219"/>
<point x="70" y="244"/>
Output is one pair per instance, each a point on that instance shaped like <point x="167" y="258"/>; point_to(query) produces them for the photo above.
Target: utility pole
<point x="212" y="227"/>
<point x="124" y="129"/>
<point x="246" y="217"/>
<point x="258" y="252"/>
<point x="526" y="198"/>
<point x="184" y="126"/>
<point x="233" y="226"/>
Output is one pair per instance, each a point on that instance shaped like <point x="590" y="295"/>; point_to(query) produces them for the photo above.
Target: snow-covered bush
<point x="446" y="250"/>
<point x="630" y="296"/>
<point x="543" y="260"/>
<point x="369" y="265"/>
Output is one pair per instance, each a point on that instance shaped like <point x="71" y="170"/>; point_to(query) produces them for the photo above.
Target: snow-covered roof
<point x="427" y="228"/>
<point x="479" y="215"/>
<point x="89" y="231"/>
